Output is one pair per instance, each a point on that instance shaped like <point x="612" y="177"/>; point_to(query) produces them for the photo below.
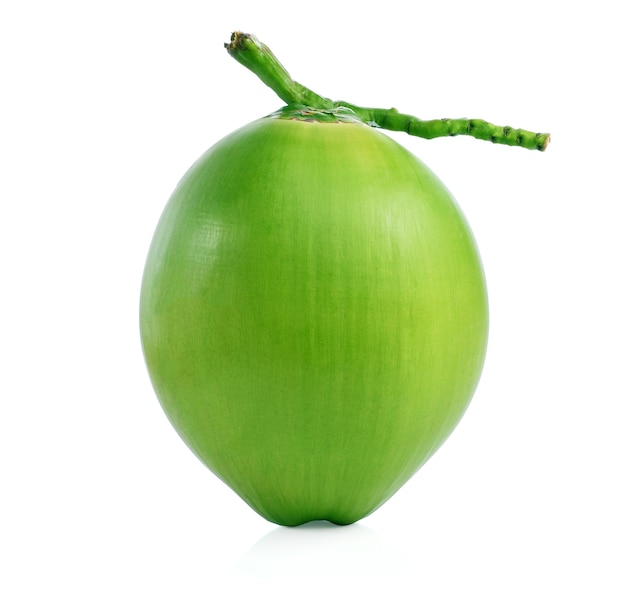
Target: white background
<point x="104" y="105"/>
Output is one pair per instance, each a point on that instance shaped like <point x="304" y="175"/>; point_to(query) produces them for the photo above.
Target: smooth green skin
<point x="313" y="316"/>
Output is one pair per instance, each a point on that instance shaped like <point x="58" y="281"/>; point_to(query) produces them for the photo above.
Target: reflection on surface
<point x="320" y="550"/>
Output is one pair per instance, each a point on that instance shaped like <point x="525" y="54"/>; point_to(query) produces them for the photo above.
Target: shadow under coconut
<point x="320" y="550"/>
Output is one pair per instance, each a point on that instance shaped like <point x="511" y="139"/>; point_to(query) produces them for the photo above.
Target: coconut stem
<point x="392" y="120"/>
<point x="260" y="60"/>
